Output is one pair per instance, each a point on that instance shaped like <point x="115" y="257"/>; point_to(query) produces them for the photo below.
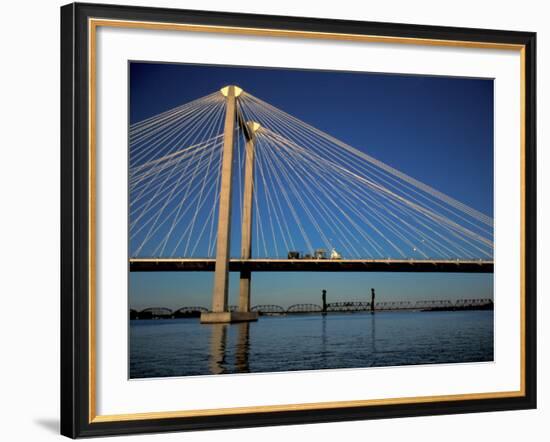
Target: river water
<point x="184" y="347"/>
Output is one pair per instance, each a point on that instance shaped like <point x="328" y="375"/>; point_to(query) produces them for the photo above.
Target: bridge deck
<point x="312" y="265"/>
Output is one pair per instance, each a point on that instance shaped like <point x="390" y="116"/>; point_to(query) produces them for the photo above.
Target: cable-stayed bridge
<point x="304" y="201"/>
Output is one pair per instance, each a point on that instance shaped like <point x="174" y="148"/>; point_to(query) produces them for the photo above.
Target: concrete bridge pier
<point x="220" y="312"/>
<point x="249" y="129"/>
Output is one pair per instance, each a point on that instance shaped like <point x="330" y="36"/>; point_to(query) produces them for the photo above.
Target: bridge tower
<point x="220" y="311"/>
<point x="249" y="129"/>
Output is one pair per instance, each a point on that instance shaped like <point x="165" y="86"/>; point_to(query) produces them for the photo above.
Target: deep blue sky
<point x="438" y="130"/>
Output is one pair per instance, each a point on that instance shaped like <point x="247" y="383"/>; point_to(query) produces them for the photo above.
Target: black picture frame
<point x="76" y="403"/>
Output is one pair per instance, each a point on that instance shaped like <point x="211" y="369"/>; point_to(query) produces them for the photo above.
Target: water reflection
<point x="219" y="348"/>
<point x="230" y="345"/>
<point x="373" y="339"/>
<point x="218" y="343"/>
<point x="243" y="347"/>
<point x="324" y="349"/>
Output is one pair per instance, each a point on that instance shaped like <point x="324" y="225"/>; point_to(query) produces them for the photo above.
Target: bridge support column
<point x="220" y="311"/>
<point x="244" y="291"/>
<point x="246" y="228"/>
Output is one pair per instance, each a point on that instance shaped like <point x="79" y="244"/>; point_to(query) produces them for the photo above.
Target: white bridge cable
<point x="372" y="205"/>
<point x="305" y="127"/>
<point x="319" y="213"/>
<point x="436" y="217"/>
<point x="322" y="186"/>
<point x="158" y="195"/>
<point x="259" y="183"/>
<point x="270" y="159"/>
<point x="137" y="174"/>
<point x="175" y="211"/>
<point x="174" y="136"/>
<point x="357" y="153"/>
<point x="138" y="136"/>
<point x="386" y="208"/>
<point x="259" y="230"/>
<point x="189" y="204"/>
<point x="359" y="201"/>
<point x="310" y="191"/>
<point x="190" y="139"/>
<point x="335" y="224"/>
<point x="300" y="194"/>
<point x="147" y="146"/>
<point x="268" y="183"/>
<point x="213" y="179"/>
<point x="326" y="195"/>
<point x="300" y="135"/>
<point x="322" y="208"/>
<point x="158" y="118"/>
<point x="326" y="215"/>
<point x="210" y="220"/>
<point x="274" y="166"/>
<point x="190" y="189"/>
<point x="147" y="204"/>
<point x="164" y="165"/>
<point x="215" y="128"/>
<point x="146" y="143"/>
<point x="166" y="191"/>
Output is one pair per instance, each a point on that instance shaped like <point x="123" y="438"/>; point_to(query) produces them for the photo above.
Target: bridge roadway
<point x="312" y="265"/>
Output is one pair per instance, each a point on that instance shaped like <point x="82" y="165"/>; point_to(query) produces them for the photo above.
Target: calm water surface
<point x="184" y="347"/>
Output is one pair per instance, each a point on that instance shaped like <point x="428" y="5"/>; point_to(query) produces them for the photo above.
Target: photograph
<point x="298" y="219"/>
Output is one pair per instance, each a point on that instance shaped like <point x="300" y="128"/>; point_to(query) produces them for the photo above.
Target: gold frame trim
<point x="93" y="24"/>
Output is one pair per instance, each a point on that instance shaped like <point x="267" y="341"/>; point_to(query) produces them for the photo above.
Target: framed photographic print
<point x="279" y="220"/>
